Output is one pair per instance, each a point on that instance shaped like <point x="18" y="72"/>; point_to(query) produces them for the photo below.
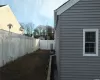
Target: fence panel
<point x="13" y="46"/>
<point x="36" y="44"/>
<point x="45" y="44"/>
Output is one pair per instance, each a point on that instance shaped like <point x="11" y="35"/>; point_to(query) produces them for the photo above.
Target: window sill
<point x="90" y="54"/>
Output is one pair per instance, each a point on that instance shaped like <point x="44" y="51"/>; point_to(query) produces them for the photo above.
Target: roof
<point x="2" y="5"/>
<point x="66" y="6"/>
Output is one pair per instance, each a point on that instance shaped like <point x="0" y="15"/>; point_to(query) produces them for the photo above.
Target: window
<point x="90" y="42"/>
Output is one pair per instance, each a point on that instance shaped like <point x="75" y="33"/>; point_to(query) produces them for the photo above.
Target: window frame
<point x="97" y="35"/>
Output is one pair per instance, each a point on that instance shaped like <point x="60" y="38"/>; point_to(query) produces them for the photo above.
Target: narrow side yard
<point x="32" y="66"/>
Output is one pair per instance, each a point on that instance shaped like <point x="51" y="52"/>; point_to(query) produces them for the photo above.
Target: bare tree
<point x="29" y="28"/>
<point x="44" y="31"/>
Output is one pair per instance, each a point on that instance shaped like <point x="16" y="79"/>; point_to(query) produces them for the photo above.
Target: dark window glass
<point x="89" y="47"/>
<point x="90" y="42"/>
<point x="90" y="36"/>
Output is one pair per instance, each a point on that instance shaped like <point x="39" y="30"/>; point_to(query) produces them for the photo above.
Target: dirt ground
<point x="29" y="67"/>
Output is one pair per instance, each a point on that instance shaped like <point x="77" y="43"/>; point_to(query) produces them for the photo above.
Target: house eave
<point x="66" y="6"/>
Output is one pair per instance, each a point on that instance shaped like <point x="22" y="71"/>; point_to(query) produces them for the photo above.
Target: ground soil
<point x="32" y="66"/>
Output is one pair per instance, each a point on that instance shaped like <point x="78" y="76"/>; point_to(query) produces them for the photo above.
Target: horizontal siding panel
<point x="81" y="62"/>
<point x="80" y="77"/>
<point x="68" y="40"/>
<point x="84" y="73"/>
<point x="89" y="0"/>
<point x="75" y="24"/>
<point x="80" y="16"/>
<point x="70" y="55"/>
<point x="70" y="48"/>
<point x="82" y="23"/>
<point x="87" y="5"/>
<point x="70" y="51"/>
<point x="79" y="19"/>
<point x="81" y="73"/>
<point x="74" y="78"/>
<point x="77" y="27"/>
<point x="64" y="26"/>
<point x="85" y="10"/>
<point x="72" y="35"/>
<point x="72" y="44"/>
<point x="71" y="31"/>
<point x="72" y="39"/>
<point x="75" y="55"/>
<point x="89" y="77"/>
<point x="70" y="71"/>
<point x="73" y="65"/>
<point x="67" y="30"/>
<point x="83" y="13"/>
<point x="88" y="59"/>
<point x="62" y="78"/>
<point x="80" y="68"/>
<point x="89" y="8"/>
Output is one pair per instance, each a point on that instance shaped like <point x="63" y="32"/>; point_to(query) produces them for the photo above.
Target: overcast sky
<point x="39" y="12"/>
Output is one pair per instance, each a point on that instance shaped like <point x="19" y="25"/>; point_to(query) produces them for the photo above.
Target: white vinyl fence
<point x="46" y="44"/>
<point x="13" y="46"/>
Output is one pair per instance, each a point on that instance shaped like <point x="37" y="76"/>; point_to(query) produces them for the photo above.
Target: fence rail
<point x="13" y="46"/>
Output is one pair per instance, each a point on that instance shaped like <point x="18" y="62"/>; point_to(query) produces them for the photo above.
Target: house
<point x="77" y="24"/>
<point x="8" y="19"/>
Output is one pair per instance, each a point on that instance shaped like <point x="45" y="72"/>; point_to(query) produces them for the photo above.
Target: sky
<point x="38" y="12"/>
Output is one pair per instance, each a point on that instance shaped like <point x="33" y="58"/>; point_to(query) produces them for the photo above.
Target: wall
<point x="7" y="17"/>
<point x="13" y="46"/>
<point x="45" y="44"/>
<point x="73" y="65"/>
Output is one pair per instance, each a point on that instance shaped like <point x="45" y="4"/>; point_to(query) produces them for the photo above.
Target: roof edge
<point x="66" y="6"/>
<point x="3" y="5"/>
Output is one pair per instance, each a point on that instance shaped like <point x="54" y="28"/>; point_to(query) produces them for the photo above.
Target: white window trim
<point x="97" y="35"/>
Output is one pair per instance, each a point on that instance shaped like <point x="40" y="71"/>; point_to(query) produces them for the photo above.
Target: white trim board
<point x="66" y="6"/>
<point x="97" y="37"/>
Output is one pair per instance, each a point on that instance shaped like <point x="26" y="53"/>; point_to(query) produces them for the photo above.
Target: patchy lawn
<point x="29" y="67"/>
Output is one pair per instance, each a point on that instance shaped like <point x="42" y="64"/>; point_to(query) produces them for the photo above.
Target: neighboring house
<point x="7" y="17"/>
<point x="77" y="25"/>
